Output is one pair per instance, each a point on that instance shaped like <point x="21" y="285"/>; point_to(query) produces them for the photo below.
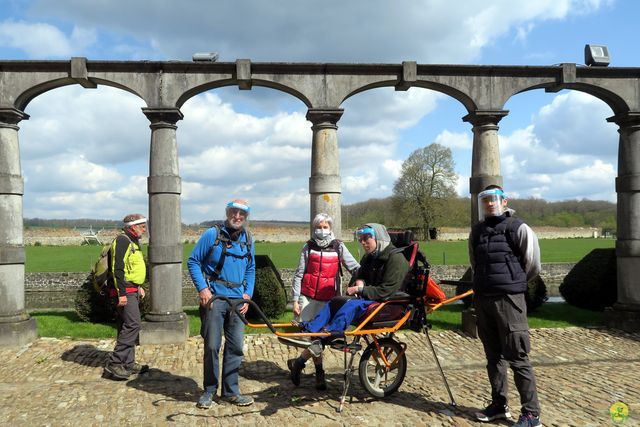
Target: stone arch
<point x="451" y="91"/>
<point x="612" y="99"/>
<point x="24" y="98"/>
<point x="197" y="90"/>
<point x="28" y="95"/>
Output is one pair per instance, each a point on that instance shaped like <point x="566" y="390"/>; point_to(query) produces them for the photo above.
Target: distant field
<point x="285" y="255"/>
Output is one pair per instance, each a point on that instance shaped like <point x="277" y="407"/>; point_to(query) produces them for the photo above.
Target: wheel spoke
<point x="379" y="378"/>
<point x="376" y="383"/>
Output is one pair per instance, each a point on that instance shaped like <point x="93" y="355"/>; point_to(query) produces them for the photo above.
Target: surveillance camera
<point x="596" y="55"/>
<point x="205" y="57"/>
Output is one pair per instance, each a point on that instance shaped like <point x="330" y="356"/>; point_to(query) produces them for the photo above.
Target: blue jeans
<point x="221" y="317"/>
<point x="337" y="315"/>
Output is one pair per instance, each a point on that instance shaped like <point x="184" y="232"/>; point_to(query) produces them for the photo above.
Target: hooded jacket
<point x="384" y="270"/>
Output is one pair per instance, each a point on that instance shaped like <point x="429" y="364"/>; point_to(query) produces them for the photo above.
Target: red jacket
<point x="323" y="265"/>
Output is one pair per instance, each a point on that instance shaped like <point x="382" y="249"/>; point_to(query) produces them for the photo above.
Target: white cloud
<point x="107" y="204"/>
<point x="565" y="153"/>
<point x="455" y="140"/>
<point x="65" y="173"/>
<point x="575" y="122"/>
<point x="105" y="125"/>
<point x="43" y="40"/>
<point x="462" y="186"/>
<point x="317" y="31"/>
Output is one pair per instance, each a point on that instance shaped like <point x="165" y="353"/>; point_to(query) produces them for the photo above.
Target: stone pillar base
<point x="175" y="332"/>
<point x="624" y="317"/>
<point x="18" y="333"/>
<point x="469" y="325"/>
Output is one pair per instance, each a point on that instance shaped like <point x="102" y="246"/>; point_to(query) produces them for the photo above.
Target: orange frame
<point x="359" y="330"/>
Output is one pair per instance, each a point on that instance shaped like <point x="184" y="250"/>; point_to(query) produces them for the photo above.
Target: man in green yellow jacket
<point x="128" y="272"/>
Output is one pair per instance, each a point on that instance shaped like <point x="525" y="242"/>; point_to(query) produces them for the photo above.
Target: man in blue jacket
<point x="223" y="263"/>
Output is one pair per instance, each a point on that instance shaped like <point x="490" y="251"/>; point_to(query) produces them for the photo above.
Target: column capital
<point x="626" y="119"/>
<point x="477" y="184"/>
<point x="163" y="116"/>
<point x="326" y="117"/>
<point x="10" y="117"/>
<point x="485" y="117"/>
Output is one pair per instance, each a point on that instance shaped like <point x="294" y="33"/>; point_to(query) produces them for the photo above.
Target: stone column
<point x="324" y="183"/>
<point x="485" y="162"/>
<point x="16" y="326"/>
<point x="485" y="170"/>
<point x="166" y="322"/>
<point x="625" y="314"/>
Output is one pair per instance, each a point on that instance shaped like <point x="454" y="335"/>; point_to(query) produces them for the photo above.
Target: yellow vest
<point x="135" y="269"/>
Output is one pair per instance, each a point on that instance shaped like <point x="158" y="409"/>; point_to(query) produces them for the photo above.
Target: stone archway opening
<point x="249" y="144"/>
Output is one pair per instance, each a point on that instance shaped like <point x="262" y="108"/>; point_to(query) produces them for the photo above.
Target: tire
<point x="371" y="370"/>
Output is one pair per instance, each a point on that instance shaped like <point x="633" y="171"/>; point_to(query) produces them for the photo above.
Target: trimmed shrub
<point x="592" y="282"/>
<point x="269" y="293"/>
<point x="92" y="307"/>
<point x="536" y="291"/>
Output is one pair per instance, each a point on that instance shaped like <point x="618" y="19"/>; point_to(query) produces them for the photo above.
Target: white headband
<point x="136" y="222"/>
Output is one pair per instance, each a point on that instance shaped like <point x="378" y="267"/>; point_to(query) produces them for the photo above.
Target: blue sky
<point x="85" y="154"/>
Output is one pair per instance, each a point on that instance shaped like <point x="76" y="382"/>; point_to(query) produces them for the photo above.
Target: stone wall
<point x="541" y="232"/>
<point x="298" y="233"/>
<point x="58" y="290"/>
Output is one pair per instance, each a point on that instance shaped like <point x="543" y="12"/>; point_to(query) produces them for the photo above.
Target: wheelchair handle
<point x="235" y="305"/>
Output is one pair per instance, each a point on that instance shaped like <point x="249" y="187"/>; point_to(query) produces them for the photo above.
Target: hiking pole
<point x="347" y="373"/>
<point x="435" y="356"/>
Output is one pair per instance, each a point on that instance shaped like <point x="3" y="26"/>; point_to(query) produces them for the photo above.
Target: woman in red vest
<point x="317" y="279"/>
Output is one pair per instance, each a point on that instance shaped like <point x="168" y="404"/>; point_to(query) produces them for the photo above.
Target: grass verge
<point x="66" y="324"/>
<point x="286" y="255"/>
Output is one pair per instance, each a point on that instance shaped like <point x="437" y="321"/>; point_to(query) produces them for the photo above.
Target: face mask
<point x="321" y="233"/>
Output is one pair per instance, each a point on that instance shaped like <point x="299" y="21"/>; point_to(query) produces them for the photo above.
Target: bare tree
<point x="426" y="182"/>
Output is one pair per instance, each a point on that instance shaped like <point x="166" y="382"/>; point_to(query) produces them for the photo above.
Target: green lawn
<point x="59" y="324"/>
<point x="285" y="255"/>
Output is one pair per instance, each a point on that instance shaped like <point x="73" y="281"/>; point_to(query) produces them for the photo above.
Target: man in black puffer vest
<point x="504" y="255"/>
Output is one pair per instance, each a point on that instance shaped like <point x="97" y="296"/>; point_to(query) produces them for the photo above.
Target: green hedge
<point x="536" y="291"/>
<point x="269" y="293"/>
<point x="592" y="282"/>
<point x="92" y="307"/>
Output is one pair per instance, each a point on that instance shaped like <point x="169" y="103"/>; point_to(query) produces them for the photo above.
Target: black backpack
<point x="226" y="243"/>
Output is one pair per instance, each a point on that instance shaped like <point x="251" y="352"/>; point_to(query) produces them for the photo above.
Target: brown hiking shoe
<point x="117" y="371"/>
<point x="137" y="368"/>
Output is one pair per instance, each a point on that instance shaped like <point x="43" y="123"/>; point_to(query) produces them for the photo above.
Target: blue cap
<point x="366" y="230"/>
<point x="240" y="206"/>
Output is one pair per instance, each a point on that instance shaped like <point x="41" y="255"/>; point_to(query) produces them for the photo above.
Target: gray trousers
<point x="128" y="331"/>
<point x="504" y="332"/>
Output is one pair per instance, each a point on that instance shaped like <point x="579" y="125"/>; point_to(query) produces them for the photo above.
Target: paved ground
<point x="581" y="373"/>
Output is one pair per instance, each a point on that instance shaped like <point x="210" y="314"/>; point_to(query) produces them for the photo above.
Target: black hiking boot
<point x="296" y="367"/>
<point x="321" y="383"/>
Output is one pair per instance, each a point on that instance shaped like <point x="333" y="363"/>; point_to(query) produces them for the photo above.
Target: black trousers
<point x="504" y="332"/>
<point x="128" y="332"/>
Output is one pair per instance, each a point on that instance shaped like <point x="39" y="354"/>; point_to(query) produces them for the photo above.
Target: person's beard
<point x="235" y="226"/>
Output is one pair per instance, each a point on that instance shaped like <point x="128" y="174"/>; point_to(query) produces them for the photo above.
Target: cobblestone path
<point x="580" y="374"/>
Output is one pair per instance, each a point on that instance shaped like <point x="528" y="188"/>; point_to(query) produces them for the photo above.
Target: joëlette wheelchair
<point x="383" y="363"/>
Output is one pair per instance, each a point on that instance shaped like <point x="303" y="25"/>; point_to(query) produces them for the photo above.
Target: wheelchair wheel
<point x="374" y="375"/>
